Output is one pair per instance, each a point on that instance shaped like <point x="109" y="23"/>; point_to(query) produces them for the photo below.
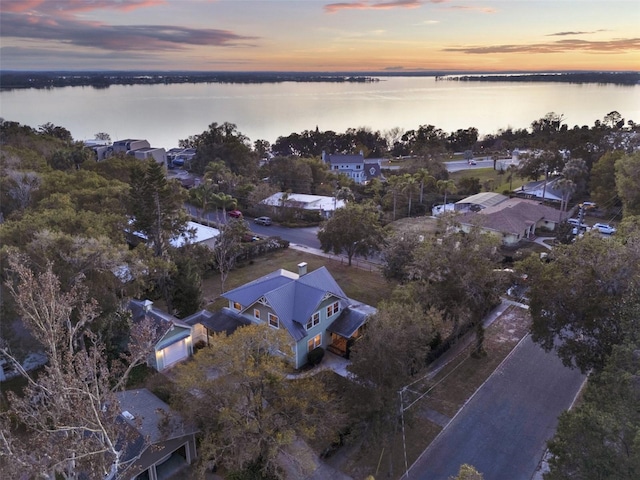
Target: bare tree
<point x="22" y="186"/>
<point x="227" y="247"/>
<point x="67" y="418"/>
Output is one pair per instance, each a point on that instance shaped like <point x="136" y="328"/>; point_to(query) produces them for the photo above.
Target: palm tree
<point x="511" y="170"/>
<point x="409" y="184"/>
<point x="445" y="186"/>
<point x="217" y="172"/>
<point x="395" y="184"/>
<point x="202" y="197"/>
<point x="225" y="201"/>
<point x="567" y="187"/>
<point x="423" y="176"/>
<point x="344" y="193"/>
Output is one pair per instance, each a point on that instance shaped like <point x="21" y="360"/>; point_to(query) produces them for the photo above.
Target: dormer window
<point x="313" y="321"/>
<point x="333" y="309"/>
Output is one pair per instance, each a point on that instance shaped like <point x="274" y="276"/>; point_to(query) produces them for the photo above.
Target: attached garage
<point x="175" y="352"/>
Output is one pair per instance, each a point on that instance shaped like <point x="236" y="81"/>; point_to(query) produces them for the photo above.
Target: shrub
<point x="315" y="356"/>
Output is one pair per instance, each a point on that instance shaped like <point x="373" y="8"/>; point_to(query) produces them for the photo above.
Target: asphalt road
<point x="307" y="236"/>
<point x="481" y="162"/>
<point x="503" y="429"/>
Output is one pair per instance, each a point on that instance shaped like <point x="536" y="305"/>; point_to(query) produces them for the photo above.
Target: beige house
<point x="511" y="219"/>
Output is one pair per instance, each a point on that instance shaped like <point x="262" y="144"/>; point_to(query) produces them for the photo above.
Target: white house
<point x="356" y="167"/>
<point x="325" y="206"/>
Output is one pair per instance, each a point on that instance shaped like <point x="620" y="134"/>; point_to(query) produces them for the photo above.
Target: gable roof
<point x="537" y="188"/>
<point x="304" y="201"/>
<point x="225" y="320"/>
<point x="144" y="412"/>
<point x="340" y="158"/>
<point x="162" y="320"/>
<point x="351" y="319"/>
<point x="293" y="298"/>
<point x="484" y="199"/>
<point x="512" y="216"/>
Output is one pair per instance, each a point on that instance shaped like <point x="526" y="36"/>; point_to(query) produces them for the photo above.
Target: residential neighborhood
<point x="342" y="315"/>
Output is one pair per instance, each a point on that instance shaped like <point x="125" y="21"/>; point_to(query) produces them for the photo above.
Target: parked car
<point x="589" y="205"/>
<point x="472" y="162"/>
<point x="604" y="228"/>
<point x="263" y="221"/>
<point x="235" y="214"/>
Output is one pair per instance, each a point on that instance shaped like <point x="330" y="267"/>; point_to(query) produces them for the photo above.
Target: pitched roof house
<point x="160" y="444"/>
<point x="311" y="307"/>
<point x="324" y="205"/>
<point x="512" y="219"/>
<point x="173" y="342"/>
<point x="356" y="167"/>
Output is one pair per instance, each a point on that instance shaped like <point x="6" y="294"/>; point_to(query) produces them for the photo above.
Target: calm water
<point x="163" y="114"/>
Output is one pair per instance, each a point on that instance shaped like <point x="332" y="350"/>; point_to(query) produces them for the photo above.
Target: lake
<point x="164" y="114"/>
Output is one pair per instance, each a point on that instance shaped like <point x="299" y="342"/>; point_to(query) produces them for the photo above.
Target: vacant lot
<point x="498" y="182"/>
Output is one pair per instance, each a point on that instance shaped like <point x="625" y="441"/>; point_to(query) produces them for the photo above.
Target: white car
<point x="604" y="228"/>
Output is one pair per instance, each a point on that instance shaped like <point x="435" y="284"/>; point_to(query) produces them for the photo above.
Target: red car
<point x="235" y="214"/>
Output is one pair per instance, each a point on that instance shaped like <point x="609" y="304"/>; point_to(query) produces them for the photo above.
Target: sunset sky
<point x="311" y="35"/>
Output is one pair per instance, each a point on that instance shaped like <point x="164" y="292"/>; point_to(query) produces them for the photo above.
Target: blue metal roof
<point x="291" y="297"/>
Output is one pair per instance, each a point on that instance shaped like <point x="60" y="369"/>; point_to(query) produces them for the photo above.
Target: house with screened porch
<point x="310" y="306"/>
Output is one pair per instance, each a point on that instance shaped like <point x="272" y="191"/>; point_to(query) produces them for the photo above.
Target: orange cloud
<point x="367" y="5"/>
<point x="610" y="46"/>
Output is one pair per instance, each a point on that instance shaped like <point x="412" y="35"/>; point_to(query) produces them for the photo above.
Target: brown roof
<point x="511" y="216"/>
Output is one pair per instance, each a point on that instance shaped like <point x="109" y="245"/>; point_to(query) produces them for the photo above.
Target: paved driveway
<point x="503" y="429"/>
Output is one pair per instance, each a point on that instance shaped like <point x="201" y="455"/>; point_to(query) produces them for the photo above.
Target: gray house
<point x="173" y="342"/>
<point x="311" y="307"/>
<point x="160" y="444"/>
<point x="356" y="167"/>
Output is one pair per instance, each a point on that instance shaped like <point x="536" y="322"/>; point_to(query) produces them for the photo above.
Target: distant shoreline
<point x="10" y="80"/>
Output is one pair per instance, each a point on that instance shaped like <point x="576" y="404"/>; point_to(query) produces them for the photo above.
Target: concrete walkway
<point x="330" y="361"/>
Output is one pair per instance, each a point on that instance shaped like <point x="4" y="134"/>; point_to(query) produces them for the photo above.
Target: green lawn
<point x="365" y="285"/>
<point x="500" y="182"/>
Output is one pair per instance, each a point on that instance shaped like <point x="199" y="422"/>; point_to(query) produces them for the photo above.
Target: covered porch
<point x="347" y="328"/>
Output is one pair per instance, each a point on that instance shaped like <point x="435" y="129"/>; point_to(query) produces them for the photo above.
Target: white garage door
<point x="175" y="352"/>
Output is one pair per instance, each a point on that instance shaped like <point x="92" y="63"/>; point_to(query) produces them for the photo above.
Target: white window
<point x="273" y="321"/>
<point x="315" y="342"/>
<point x="237" y="306"/>
<point x="256" y="313"/>
<point x="333" y="309"/>
<point x="313" y="321"/>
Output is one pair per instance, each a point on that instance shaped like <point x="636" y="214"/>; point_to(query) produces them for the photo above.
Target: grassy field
<point x="499" y="182"/>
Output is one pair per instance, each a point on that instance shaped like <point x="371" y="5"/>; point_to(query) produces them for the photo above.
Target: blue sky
<point x="311" y="35"/>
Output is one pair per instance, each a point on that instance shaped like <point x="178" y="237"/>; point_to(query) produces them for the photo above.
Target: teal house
<point x="310" y="306"/>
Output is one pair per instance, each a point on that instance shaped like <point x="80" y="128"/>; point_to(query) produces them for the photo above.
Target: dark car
<point x="263" y="220"/>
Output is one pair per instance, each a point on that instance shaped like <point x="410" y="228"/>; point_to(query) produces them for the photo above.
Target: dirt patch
<point x="416" y="225"/>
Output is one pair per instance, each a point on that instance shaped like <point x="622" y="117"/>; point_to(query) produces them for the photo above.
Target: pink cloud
<point x="368" y="5"/>
<point x="68" y="8"/>
<point x="22" y="6"/>
<point x="472" y="8"/>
